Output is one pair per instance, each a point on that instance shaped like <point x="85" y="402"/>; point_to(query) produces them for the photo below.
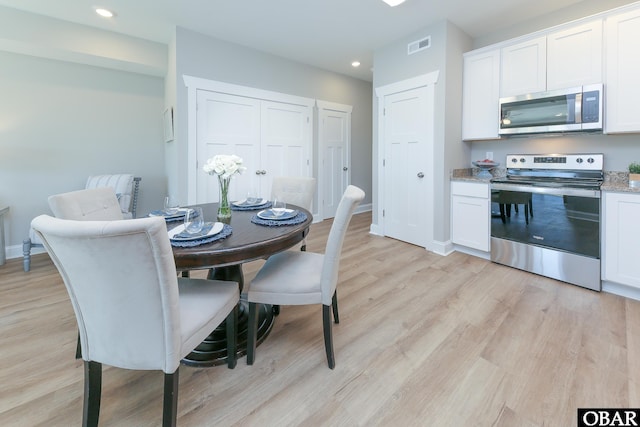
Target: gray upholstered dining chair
<point x="96" y="204"/>
<point x="125" y="188"/>
<point x="296" y="190"/>
<point x="300" y="278"/>
<point x="133" y="312"/>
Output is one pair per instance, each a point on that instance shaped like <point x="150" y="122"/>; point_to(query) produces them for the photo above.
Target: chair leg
<point x="328" y="335"/>
<point x="232" y="338"/>
<point x="78" y="348"/>
<point x="92" y="390"/>
<point x="252" y="332"/>
<point x="26" y="254"/>
<point x="170" y="401"/>
<point x="334" y="305"/>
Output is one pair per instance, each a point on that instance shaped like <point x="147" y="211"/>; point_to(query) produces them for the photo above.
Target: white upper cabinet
<point x="622" y="85"/>
<point x="574" y="56"/>
<point x="603" y="49"/>
<point x="524" y="67"/>
<point x="480" y="93"/>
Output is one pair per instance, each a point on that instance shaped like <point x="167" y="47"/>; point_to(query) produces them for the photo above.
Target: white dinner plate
<point x="268" y="214"/>
<point x="181" y="212"/>
<point x="244" y="204"/>
<point x="217" y="227"/>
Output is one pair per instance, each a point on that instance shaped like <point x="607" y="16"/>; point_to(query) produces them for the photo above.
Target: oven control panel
<point x="556" y="161"/>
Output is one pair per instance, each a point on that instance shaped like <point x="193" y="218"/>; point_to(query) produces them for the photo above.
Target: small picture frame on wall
<point x="167" y="121"/>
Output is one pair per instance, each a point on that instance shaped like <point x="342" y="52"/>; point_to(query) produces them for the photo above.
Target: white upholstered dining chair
<point x="95" y="204"/>
<point x="295" y="190"/>
<point x="125" y="187"/>
<point x="300" y="278"/>
<point x="133" y="312"/>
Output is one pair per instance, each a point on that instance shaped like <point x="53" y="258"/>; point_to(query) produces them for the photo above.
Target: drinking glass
<point x="171" y="205"/>
<point x="278" y="207"/>
<point x="252" y="196"/>
<point x="194" y="220"/>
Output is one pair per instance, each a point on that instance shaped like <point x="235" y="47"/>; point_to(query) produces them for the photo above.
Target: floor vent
<point x="419" y="45"/>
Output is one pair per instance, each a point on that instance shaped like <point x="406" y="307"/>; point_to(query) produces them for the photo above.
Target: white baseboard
<point x="442" y="248"/>
<point x="363" y="208"/>
<point x="621" y="290"/>
<point x="15" y="251"/>
<point x="473" y="252"/>
<point x="376" y="230"/>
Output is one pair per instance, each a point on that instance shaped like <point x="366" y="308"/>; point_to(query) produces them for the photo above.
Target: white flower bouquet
<point x="224" y="165"/>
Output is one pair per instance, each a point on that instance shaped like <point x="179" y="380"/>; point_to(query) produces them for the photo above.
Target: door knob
<point x="420" y="175"/>
<point x="345" y="168"/>
<point x="258" y="172"/>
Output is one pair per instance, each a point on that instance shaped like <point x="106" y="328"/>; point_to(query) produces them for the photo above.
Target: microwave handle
<point x="578" y="108"/>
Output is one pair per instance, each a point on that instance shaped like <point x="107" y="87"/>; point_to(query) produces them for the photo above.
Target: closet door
<point x="334" y="148"/>
<point x="227" y="124"/>
<point x="286" y="135"/>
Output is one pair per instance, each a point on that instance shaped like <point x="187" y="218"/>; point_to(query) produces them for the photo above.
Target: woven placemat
<point x="226" y="232"/>
<point x="300" y="218"/>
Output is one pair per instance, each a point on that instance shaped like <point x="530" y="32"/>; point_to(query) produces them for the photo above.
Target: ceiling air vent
<point x="419" y="45"/>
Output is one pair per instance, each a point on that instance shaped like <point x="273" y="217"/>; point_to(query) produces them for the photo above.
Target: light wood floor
<point x="423" y="340"/>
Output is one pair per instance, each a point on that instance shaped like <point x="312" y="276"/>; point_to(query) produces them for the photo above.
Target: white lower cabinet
<point x="621" y="234"/>
<point x="470" y="214"/>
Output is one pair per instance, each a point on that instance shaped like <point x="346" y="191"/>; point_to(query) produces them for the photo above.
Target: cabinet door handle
<point x="258" y="172"/>
<point x="345" y="168"/>
<point x="420" y="175"/>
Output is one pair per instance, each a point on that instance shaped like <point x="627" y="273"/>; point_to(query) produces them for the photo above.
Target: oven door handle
<point x="558" y="191"/>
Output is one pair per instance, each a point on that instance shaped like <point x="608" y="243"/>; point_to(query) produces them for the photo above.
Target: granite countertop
<point x="613" y="180"/>
<point x="471" y="174"/>
<point x="618" y="182"/>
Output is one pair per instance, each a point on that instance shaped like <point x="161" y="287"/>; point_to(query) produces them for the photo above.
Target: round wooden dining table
<point x="223" y="259"/>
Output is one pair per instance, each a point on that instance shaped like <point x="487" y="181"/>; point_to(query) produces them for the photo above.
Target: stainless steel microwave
<point x="568" y="110"/>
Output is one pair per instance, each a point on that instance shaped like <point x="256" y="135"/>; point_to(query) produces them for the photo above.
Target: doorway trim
<point x="429" y="79"/>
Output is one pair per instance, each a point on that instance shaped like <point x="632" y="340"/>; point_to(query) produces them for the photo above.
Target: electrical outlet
<point x="489" y="155"/>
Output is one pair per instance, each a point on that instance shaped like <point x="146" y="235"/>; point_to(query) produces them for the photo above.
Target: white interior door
<point x="286" y="132"/>
<point x="406" y="166"/>
<point x="227" y="124"/>
<point x="334" y="152"/>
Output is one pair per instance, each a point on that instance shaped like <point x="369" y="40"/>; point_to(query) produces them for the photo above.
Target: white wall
<point x="201" y="56"/>
<point x="61" y="122"/>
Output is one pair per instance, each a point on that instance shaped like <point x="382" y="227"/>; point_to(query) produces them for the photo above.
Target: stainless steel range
<point x="549" y="216"/>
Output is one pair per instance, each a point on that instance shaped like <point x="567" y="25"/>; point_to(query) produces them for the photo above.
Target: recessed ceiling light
<point x="393" y="3"/>
<point x="355" y="64"/>
<point x="104" y="12"/>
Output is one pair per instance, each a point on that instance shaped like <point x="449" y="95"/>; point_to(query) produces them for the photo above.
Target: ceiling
<point x="328" y="34"/>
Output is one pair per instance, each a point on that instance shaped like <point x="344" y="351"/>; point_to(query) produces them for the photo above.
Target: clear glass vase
<point x="224" y="208"/>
